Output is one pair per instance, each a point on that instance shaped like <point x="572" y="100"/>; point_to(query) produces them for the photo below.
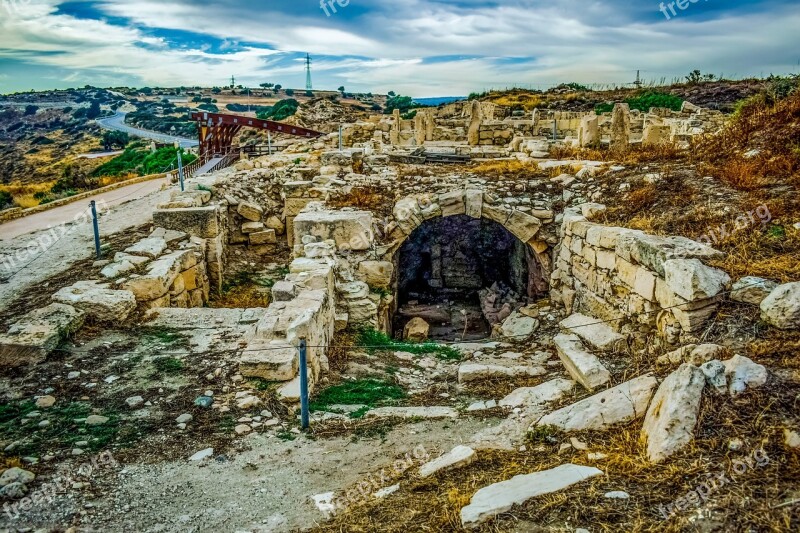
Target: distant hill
<point x="439" y="100"/>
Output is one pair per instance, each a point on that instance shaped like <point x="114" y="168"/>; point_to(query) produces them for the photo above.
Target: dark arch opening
<point x="462" y="276"/>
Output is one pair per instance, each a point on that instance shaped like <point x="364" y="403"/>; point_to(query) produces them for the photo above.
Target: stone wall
<point x="640" y="283"/>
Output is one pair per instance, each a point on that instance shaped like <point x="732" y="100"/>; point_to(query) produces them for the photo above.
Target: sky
<point x="421" y="48"/>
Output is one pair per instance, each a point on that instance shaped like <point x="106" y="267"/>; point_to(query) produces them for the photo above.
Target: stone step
<point x="597" y="334"/>
<point x="583" y="366"/>
<point x="501" y="497"/>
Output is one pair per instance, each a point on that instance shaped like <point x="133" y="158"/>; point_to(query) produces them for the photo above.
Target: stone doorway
<point x="464" y="275"/>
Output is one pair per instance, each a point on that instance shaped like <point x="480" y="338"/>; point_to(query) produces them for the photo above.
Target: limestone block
<point x="782" y="307"/>
<point x="583" y="366"/>
<point x="99" y="302"/>
<point x="473" y="200"/>
<point x="497" y="213"/>
<point x="455" y="458"/>
<point x="416" y="330"/>
<point x="621" y="404"/>
<point x="468" y="372"/>
<point x="250" y="211"/>
<point x="171" y="237"/>
<point x="350" y="230"/>
<point x="752" y="290"/>
<point x="452" y="203"/>
<point x="199" y="221"/>
<point x="377" y="274"/>
<point x="597" y="333"/>
<point x="115" y="270"/>
<point x="151" y="247"/>
<point x="653" y="251"/>
<point x="744" y="374"/>
<point x="672" y="416"/>
<point x="692" y="280"/>
<point x="284" y="291"/>
<point x="523" y="226"/>
<point x="550" y="391"/>
<point x="408" y="214"/>
<point x="263" y="237"/>
<point x="275" y="223"/>
<point x="32" y="337"/>
<point x="519" y="327"/>
<point x="160" y="275"/>
<point x="268" y="361"/>
<point x="252" y="227"/>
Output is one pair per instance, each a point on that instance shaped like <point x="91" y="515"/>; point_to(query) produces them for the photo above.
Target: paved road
<point x="117" y="122"/>
<point x="59" y="215"/>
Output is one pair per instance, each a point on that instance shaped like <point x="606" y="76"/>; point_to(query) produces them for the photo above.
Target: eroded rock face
<point x="38" y="333"/>
<point x="782" y="307"/>
<point x="672" y="416"/>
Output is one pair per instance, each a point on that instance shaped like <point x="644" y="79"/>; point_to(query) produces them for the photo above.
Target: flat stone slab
<point x="621" y="404"/>
<point x="455" y="458"/>
<point x="150" y="247"/>
<point x="469" y="372"/>
<point x="32" y="337"/>
<point x="594" y="332"/>
<point x="413" y="412"/>
<point x="547" y="392"/>
<point x="100" y="302"/>
<point x="584" y="367"/>
<point x="501" y="497"/>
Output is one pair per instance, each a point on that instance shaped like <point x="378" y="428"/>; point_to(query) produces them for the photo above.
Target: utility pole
<point x="638" y="82"/>
<point x="233" y="82"/>
<point x="308" y="73"/>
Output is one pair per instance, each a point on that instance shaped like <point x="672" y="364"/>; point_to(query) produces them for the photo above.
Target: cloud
<point x="387" y="45"/>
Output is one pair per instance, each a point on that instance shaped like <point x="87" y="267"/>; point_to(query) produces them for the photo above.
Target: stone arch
<point x="412" y="212"/>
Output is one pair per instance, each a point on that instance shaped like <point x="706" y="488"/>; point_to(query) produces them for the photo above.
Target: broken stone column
<point x="394" y="134"/>
<point x="620" y="126"/>
<point x="419" y="128"/>
<point x="476" y="119"/>
<point x="430" y="125"/>
<point x="588" y="131"/>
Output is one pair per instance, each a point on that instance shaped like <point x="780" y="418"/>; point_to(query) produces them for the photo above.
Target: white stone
<point x="744" y="374"/>
<point x="250" y="211"/>
<point x="98" y="301"/>
<point x="202" y="454"/>
<point x="416" y="330"/>
<point x="96" y="420"/>
<point x="752" y="290"/>
<point x="549" y="391"/>
<point x="621" y="404"/>
<point x="16" y="475"/>
<point x="791" y="438"/>
<point x="151" y="247"/>
<point x="692" y="280"/>
<point x="412" y="412"/>
<point x="519" y="327"/>
<point x="501" y="497"/>
<point x="714" y="371"/>
<point x="617" y="495"/>
<point x="583" y="366"/>
<point x="594" y="331"/>
<point x="386" y="491"/>
<point x="455" y="458"/>
<point x="782" y="307"/>
<point x="672" y="416"/>
<point x="184" y="418"/>
<point x="468" y="372"/>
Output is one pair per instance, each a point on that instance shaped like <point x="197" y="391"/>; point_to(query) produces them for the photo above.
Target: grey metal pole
<point x="269" y="142"/>
<point x="555" y="129"/>
<point x="180" y="169"/>
<point x="340" y="137"/>
<point x="303" y="385"/>
<point x="93" y="206"/>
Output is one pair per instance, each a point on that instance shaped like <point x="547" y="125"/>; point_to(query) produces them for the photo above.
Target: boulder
<point x="782" y="307"/>
<point x="672" y="416"/>
<point x="501" y="497"/>
<point x="714" y="371"/>
<point x="100" y="302"/>
<point x="621" y="404"/>
<point x="16" y="475"/>
<point x="416" y="330"/>
<point x="744" y="374"/>
<point x="752" y="290"/>
<point x="583" y="366"/>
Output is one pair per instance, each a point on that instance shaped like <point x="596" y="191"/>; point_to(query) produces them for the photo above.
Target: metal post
<point x="341" y="128"/>
<point x="269" y="141"/>
<point x="555" y="129"/>
<point x="96" y="229"/>
<point x="303" y="385"/>
<point x="180" y="169"/>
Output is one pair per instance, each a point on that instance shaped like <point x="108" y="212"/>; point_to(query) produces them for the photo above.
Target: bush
<point x="289" y="92"/>
<point x="143" y="162"/>
<point x="6" y="200"/>
<point x="403" y="103"/>
<point x="281" y="110"/>
<point x="114" y="138"/>
<point x="31" y="110"/>
<point x="645" y="101"/>
<point x="94" y="110"/>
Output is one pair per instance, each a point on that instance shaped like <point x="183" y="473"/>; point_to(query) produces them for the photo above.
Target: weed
<point x="374" y="340"/>
<point x="164" y="337"/>
<point x="358" y="414"/>
<point x="286" y="435"/>
<point x="168" y="365"/>
<point x="369" y="392"/>
<point x="542" y="435"/>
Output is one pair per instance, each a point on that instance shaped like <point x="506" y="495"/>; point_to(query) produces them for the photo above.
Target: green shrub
<point x="645" y="101"/>
<point x="374" y="341"/>
<point x="369" y="392"/>
<point x="281" y="110"/>
<point x="6" y="200"/>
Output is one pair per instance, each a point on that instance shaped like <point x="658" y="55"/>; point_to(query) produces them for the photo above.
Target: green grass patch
<point x="143" y="162"/>
<point x="645" y="101"/>
<point x="368" y="392"/>
<point x="63" y="431"/>
<point x="168" y="365"/>
<point x="375" y="341"/>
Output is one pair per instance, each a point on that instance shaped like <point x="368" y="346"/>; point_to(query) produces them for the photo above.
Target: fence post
<point x="303" y="384"/>
<point x="341" y="128"/>
<point x="180" y="169"/>
<point x="96" y="226"/>
<point x="269" y="141"/>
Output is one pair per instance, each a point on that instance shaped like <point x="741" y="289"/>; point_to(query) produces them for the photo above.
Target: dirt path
<point x="28" y="255"/>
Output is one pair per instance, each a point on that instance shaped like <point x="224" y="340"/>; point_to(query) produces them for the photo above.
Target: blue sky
<point x="415" y="47"/>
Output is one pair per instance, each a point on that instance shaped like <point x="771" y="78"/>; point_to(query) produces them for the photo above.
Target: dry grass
<point x="770" y="253"/>
<point x="367" y="197"/>
<point x="514" y="99"/>
<point x="246" y="296"/>
<point x="23" y="192"/>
